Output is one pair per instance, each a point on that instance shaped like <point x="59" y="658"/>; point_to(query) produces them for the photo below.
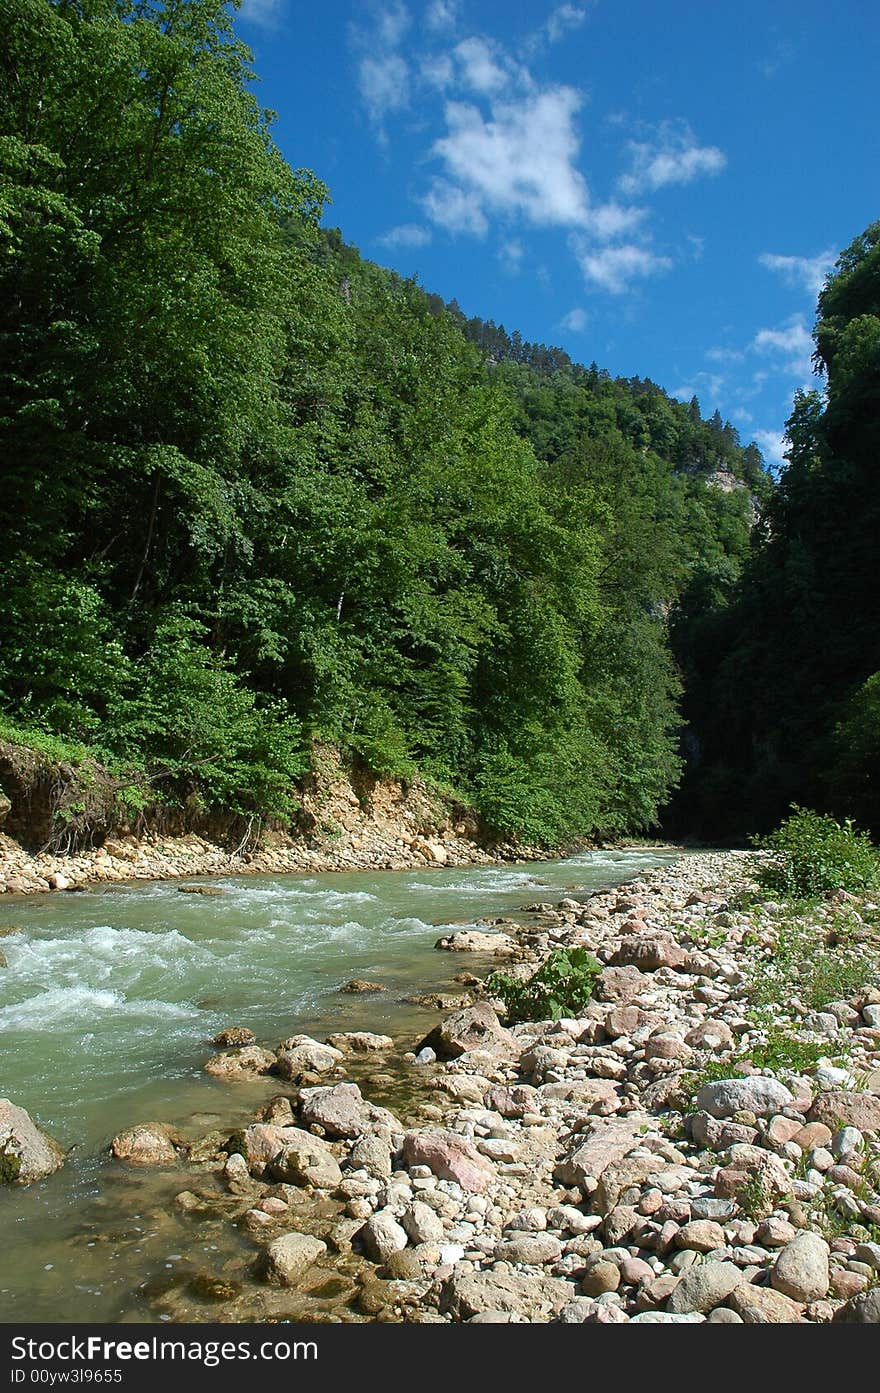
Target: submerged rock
<point x="147" y="1144"/>
<point x="27" y="1153"/>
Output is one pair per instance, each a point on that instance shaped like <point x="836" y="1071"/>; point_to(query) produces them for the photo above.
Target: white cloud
<point x="510" y="255"/>
<point x="575" y="321"/>
<point x="564" y="18"/>
<point x="805" y="272"/>
<point x="442" y="14"/>
<point x="615" y="268"/>
<point x="792" y="342"/>
<point x="452" y="208"/>
<point x="383" y="73"/>
<point x="772" y="446"/>
<point x="438" y="70"/>
<point x="267" y="14"/>
<point x="522" y="160"/>
<point x="672" y="156"/>
<point x="406" y="235"/>
<point x="480" y="70"/>
<point x="392" y="22"/>
<point x="384" y="84"/>
<point x="725" y="355"/>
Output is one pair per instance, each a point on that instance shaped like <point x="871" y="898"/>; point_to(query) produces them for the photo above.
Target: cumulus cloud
<point x="575" y="321"/>
<point x="564" y="18"/>
<point x="790" y="342"/>
<point x="480" y="69"/>
<point x="267" y="14"/>
<point x="442" y="14"/>
<point x="383" y="73"/>
<point x="406" y="235"/>
<point x="452" y="208"/>
<point x="511" y="254"/>
<point x="803" y="272"/>
<point x="615" y="268"/>
<point x="522" y="159"/>
<point x="671" y="156"/>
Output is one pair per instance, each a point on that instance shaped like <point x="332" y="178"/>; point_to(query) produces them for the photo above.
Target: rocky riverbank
<point x="348" y="823"/>
<point x="699" y="1143"/>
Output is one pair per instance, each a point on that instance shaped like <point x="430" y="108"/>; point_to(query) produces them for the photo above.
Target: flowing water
<point x="111" y="997"/>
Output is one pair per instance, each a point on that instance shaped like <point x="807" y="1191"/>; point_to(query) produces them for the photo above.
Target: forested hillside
<point x="259" y="491"/>
<point x="782" y="669"/>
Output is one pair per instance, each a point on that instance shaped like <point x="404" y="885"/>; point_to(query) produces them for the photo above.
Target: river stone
<point x="704" y="1286"/>
<point x="27" y="1153"/>
<point x="240" y="1064"/>
<point x="531" y="1249"/>
<point x="360" y="1042"/>
<point x="234" y="1036"/>
<point x="382" y="1235"/>
<point x="343" y="1112"/>
<point x="620" y="984"/>
<point x="422" y="1224"/>
<point x="608" y="1140"/>
<point x="758" y="1094"/>
<point x="755" y="1177"/>
<point x="357" y="986"/>
<point x="801" y="1269"/>
<point x="650" y="952"/>
<point x="500" y="945"/>
<point x="475" y="1028"/>
<point x="536" y="1298"/>
<point x="838" y="1108"/>
<point x="294" y="1061"/>
<point x="764" y="1306"/>
<point x="306" y="1160"/>
<point x="702" y="1235"/>
<point x="449" y="1156"/>
<point x="148" y="1144"/>
<point x="863" y="1309"/>
<point x="373" y="1155"/>
<point x="289" y="1256"/>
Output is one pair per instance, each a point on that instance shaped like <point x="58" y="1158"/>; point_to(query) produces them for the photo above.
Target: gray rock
<point x="27" y="1153"/>
<point x="532" y="1249"/>
<point x="382" y="1235"/>
<point x="863" y="1309"/>
<point x="475" y="1028"/>
<point x="373" y="1155"/>
<point x="758" y="1094"/>
<point x="422" y="1224"/>
<point x="147" y="1144"/>
<point x="801" y="1269"/>
<point x="343" y="1112"/>
<point x="465" y="1294"/>
<point x="668" y="1318"/>
<point x="704" y="1286"/>
<point x="290" y="1256"/>
<point x="306" y="1160"/>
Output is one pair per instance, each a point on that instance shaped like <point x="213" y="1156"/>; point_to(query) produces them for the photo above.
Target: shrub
<point x="560" y="987"/>
<point x="814" y="854"/>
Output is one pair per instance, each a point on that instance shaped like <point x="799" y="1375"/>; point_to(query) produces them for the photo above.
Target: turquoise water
<point x="111" y="997"/>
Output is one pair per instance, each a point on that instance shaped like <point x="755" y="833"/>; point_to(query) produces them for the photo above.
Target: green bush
<point x="560" y="987"/>
<point x="814" y="854"/>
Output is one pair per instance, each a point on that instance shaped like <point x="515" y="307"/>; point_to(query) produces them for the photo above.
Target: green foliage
<point x="260" y="492"/>
<point x="562" y="985"/>
<point x="813" y="855"/>
<point x="779" y="664"/>
<point x="780" y="1052"/>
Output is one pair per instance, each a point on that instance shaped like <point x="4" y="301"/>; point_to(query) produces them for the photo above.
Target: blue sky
<point x="659" y="187"/>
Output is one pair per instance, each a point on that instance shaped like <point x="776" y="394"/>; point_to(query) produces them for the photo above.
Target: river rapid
<point x="109" y="1002"/>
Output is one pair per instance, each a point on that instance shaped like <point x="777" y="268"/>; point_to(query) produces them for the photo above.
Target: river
<point x="110" y="999"/>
